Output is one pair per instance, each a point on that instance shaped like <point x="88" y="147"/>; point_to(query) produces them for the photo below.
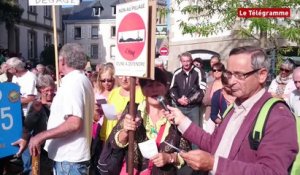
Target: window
<point x="94" y="51"/>
<point x="77" y="34"/>
<point x="114" y="10"/>
<point x="47" y="11"/>
<point x="47" y="40"/>
<point x="32" y="45"/>
<point x="94" y="32"/>
<point x="113" y="31"/>
<point x="113" y="52"/>
<point x="97" y="11"/>
<point x="32" y="9"/>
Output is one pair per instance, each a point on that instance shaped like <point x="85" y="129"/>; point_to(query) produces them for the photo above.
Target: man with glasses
<point x="228" y="150"/>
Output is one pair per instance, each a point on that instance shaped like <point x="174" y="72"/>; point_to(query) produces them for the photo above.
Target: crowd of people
<point x="69" y="129"/>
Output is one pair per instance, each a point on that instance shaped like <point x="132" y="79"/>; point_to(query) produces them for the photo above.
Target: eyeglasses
<point x="106" y="80"/>
<point x="217" y="70"/>
<point x="239" y="75"/>
<point x="285" y="70"/>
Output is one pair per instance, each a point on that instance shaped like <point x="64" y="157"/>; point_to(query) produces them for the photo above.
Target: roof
<point x="84" y="11"/>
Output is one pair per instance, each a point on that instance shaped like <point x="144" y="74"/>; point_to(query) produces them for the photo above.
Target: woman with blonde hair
<point x="103" y="83"/>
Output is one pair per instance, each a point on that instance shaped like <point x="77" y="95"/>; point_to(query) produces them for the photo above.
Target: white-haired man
<point x="25" y="79"/>
<point x="68" y="136"/>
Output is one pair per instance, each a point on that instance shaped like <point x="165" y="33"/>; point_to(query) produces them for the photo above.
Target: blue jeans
<point x="194" y="114"/>
<point x="71" y="168"/>
<point x="26" y="157"/>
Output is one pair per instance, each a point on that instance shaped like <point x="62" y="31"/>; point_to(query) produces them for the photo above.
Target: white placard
<point x="53" y="2"/>
<point x="148" y="148"/>
<point x="109" y="111"/>
<point x="132" y="38"/>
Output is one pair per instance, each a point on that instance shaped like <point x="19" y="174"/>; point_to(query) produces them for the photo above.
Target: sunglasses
<point x="284" y="70"/>
<point x="106" y="80"/>
<point x="217" y="70"/>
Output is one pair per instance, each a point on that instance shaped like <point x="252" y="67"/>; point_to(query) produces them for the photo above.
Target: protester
<point x="27" y="82"/>
<point x="159" y="63"/>
<point x="40" y="68"/>
<point x="68" y="134"/>
<point x="198" y="62"/>
<point x="150" y="124"/>
<point x="37" y="117"/>
<point x="119" y="98"/>
<point x="294" y="99"/>
<point x="283" y="84"/>
<point x="105" y="82"/>
<point x="25" y="79"/>
<point x="187" y="88"/>
<point x="220" y="100"/>
<point x="227" y="151"/>
<point x="213" y="60"/>
<point x="212" y="87"/>
<point x="5" y="75"/>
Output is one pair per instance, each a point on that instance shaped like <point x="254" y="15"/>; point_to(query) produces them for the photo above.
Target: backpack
<point x="257" y="132"/>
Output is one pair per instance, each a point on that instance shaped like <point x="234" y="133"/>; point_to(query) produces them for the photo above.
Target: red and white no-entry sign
<point x="164" y="51"/>
<point x="132" y="20"/>
<point x="131" y="36"/>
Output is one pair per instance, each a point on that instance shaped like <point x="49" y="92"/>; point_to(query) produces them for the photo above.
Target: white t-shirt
<point x="74" y="97"/>
<point x="27" y="83"/>
<point x="294" y="102"/>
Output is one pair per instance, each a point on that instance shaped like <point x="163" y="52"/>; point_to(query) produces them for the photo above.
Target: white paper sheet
<point x="109" y="111"/>
<point x="148" y="148"/>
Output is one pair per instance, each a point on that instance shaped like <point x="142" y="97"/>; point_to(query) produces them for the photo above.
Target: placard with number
<point x="10" y="118"/>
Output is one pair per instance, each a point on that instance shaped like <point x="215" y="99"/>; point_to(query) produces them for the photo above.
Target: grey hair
<point x="44" y="81"/>
<point x="74" y="55"/>
<point x="186" y="54"/>
<point x="287" y="63"/>
<point x="259" y="58"/>
<point x="16" y="63"/>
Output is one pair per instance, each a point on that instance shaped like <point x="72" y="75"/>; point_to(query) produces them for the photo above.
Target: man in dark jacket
<point x="187" y="88"/>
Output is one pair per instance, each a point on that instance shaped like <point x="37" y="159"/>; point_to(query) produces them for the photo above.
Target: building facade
<point x="33" y="33"/>
<point x="92" y="24"/>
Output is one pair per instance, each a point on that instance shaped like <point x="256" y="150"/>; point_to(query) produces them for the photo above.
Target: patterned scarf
<point x="282" y="81"/>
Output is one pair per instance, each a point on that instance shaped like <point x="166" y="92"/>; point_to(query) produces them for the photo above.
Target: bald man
<point x="294" y="98"/>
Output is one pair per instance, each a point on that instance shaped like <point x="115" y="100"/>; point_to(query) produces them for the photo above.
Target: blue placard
<point x="10" y="118"/>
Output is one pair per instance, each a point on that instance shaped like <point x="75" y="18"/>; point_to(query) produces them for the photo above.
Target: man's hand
<point x="198" y="160"/>
<point x="35" y="144"/>
<point x="183" y="101"/>
<point x="175" y="116"/>
<point x="22" y="143"/>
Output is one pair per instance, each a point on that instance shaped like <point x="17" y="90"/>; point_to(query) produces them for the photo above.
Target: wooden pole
<point x="132" y="112"/>
<point x="35" y="165"/>
<point x="55" y="43"/>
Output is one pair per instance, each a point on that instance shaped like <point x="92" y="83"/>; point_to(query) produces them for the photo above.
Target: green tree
<point x="47" y="55"/>
<point x="10" y="14"/>
<point x="265" y="30"/>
